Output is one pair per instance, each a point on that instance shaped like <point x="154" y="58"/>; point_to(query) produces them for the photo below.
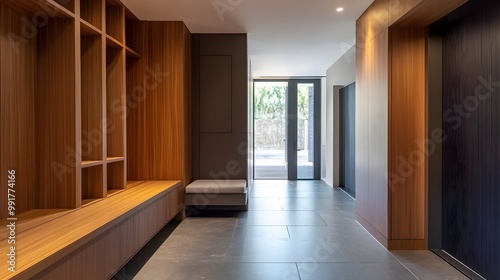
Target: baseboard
<point x="467" y="271"/>
<point x="373" y="231"/>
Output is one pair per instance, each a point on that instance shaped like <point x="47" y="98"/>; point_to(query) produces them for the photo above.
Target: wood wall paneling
<point x="371" y="132"/>
<point x="55" y="115"/>
<point x="158" y="120"/>
<point x="68" y="4"/>
<point x="92" y="183"/>
<point x="372" y="22"/>
<point x="166" y="100"/>
<point x="115" y="102"/>
<point x="407" y="117"/>
<point x="115" y="176"/>
<point x="361" y="131"/>
<point x="378" y="131"/>
<point x="138" y="148"/>
<point x="383" y="80"/>
<point x="50" y="7"/>
<point x="423" y="13"/>
<point x="115" y="21"/>
<point x="92" y="98"/>
<point x="92" y="12"/>
<point x="17" y="112"/>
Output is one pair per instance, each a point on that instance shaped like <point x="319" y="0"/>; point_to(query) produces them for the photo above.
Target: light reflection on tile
<point x="291" y="228"/>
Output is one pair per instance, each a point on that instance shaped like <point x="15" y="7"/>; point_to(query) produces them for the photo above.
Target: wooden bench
<point x="217" y="194"/>
<point x="95" y="241"/>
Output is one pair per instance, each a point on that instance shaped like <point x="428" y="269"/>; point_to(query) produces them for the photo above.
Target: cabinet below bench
<point x="95" y="241"/>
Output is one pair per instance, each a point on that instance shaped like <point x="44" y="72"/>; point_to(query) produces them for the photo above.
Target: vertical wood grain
<point x="423" y="13"/>
<point x="115" y="21"/>
<point x="407" y="117"/>
<point x="115" y="102"/>
<point x="115" y="178"/>
<point x="390" y="116"/>
<point x="68" y="4"/>
<point x="371" y="156"/>
<point x="91" y="11"/>
<point x="137" y="147"/>
<point x="17" y="111"/>
<point x="55" y="115"/>
<point x="471" y="155"/>
<point x="91" y="98"/>
<point x="157" y="120"/>
<point x="92" y="182"/>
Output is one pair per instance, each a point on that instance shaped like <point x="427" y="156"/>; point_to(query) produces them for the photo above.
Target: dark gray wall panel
<point x="347" y="138"/>
<point x="217" y="44"/>
<point x="471" y="154"/>
<point x="223" y="156"/>
<point x="220" y="105"/>
<point x="215" y="94"/>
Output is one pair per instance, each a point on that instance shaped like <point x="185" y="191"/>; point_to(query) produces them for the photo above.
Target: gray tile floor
<point x="294" y="230"/>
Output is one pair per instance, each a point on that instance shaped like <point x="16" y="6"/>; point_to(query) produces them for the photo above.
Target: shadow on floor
<point x="139" y="260"/>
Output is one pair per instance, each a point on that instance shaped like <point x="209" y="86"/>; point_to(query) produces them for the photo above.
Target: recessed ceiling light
<point x="340" y="9"/>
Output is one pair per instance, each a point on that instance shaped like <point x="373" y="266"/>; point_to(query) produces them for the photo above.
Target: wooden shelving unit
<point x="87" y="29"/>
<point x="116" y="176"/>
<point x="92" y="180"/>
<point x="63" y="99"/>
<point x="92" y="98"/>
<point x="115" y="21"/>
<point x="90" y="163"/>
<point x="91" y="11"/>
<point x="115" y="102"/>
<point x="63" y="94"/>
<point x="67" y="4"/>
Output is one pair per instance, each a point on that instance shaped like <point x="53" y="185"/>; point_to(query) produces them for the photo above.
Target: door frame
<point x="291" y="126"/>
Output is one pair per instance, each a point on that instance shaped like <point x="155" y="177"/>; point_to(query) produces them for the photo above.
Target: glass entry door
<point x="287" y="129"/>
<point x="270" y="121"/>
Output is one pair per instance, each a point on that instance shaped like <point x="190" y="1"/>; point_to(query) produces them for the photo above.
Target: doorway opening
<point x="287" y="116"/>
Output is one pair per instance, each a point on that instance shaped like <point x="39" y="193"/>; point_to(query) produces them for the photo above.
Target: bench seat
<point x="214" y="194"/>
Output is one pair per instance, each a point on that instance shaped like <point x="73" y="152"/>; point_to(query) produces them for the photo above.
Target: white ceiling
<point x="285" y="37"/>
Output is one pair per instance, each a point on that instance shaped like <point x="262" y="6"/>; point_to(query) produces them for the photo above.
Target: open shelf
<point x="133" y="37"/>
<point x="67" y="4"/>
<point x="90" y="163"/>
<point x="115" y="21"/>
<point x="92" y="98"/>
<point x="116" y="177"/>
<point x="115" y="102"/>
<point x="115" y="159"/>
<point x="92" y="183"/>
<point x="112" y="42"/>
<point x="91" y="12"/>
<point x="131" y="53"/>
<point x="87" y="29"/>
<point x="49" y="7"/>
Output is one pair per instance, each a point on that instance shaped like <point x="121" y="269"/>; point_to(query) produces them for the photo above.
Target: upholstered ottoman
<point x="224" y="194"/>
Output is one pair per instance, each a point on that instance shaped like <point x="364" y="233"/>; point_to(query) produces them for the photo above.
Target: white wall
<point x="340" y="74"/>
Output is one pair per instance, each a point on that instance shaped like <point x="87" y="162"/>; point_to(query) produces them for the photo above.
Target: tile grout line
<point x="298" y="272"/>
<point x="404" y="266"/>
